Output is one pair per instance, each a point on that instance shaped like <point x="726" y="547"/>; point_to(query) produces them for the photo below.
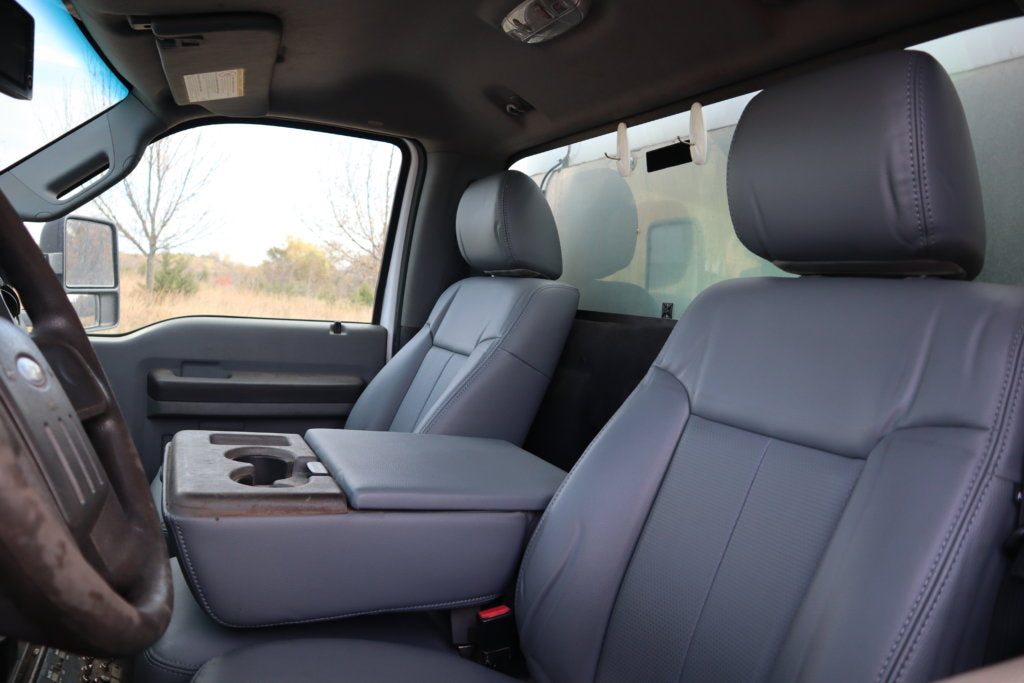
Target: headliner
<point x="428" y="70"/>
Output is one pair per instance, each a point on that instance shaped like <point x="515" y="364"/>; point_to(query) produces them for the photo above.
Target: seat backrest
<point x="814" y="479"/>
<point x="481" y="364"/>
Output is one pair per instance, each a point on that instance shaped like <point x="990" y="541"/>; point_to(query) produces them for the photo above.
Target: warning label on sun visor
<point x="215" y="85"/>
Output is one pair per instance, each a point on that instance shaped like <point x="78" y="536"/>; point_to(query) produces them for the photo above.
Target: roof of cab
<point x="440" y="72"/>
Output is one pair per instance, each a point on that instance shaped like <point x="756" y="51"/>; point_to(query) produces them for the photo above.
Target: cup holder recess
<point x="269" y="465"/>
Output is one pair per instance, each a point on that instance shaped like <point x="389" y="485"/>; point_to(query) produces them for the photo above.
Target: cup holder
<point x="267" y="467"/>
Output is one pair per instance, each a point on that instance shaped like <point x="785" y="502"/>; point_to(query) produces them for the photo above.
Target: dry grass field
<point x="221" y="296"/>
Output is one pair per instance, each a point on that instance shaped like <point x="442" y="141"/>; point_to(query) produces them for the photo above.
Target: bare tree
<point x="360" y="208"/>
<point x="149" y="206"/>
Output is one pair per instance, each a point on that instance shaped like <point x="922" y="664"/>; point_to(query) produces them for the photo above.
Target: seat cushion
<point x="348" y="660"/>
<point x="192" y="638"/>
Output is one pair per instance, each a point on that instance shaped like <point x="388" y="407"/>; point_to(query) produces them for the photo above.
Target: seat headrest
<point x="505" y="227"/>
<point x="864" y="168"/>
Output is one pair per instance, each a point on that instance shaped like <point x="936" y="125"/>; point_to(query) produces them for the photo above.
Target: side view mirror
<point x="83" y="254"/>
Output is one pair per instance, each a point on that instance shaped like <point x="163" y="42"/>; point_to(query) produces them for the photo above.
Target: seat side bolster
<point x="575" y="562"/>
<point x="378" y="404"/>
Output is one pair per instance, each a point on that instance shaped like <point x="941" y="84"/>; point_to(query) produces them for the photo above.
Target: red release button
<point x="493" y="612"/>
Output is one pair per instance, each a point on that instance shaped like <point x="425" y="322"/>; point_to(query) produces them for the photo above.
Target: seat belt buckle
<point x="495" y="637"/>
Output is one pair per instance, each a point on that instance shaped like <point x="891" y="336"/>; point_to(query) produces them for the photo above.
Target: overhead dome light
<point x="536" y="21"/>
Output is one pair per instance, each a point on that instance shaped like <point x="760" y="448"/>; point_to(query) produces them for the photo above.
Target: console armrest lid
<point x="399" y="471"/>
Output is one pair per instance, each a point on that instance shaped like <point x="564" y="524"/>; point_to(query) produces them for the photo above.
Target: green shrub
<point x="173" y="277"/>
<point x="364" y="295"/>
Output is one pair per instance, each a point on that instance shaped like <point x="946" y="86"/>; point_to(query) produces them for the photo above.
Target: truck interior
<point x="654" y="341"/>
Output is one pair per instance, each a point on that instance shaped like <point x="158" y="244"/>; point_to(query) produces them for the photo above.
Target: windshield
<point x="71" y="85"/>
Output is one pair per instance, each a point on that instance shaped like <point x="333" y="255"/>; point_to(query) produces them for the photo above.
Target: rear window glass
<point x="648" y="243"/>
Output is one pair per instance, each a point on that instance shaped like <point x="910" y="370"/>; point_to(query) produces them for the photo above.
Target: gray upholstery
<point x="392" y="471"/>
<point x="483" y="360"/>
<point x="346" y="660"/>
<point x="813" y="481"/>
<point x="827" y="471"/>
<point x="346" y="564"/>
<point x="874" y="178"/>
<point x="480" y="365"/>
<point x="192" y="637"/>
<point x="505" y="227"/>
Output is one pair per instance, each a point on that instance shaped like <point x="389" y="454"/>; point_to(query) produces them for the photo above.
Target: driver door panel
<point x="237" y="374"/>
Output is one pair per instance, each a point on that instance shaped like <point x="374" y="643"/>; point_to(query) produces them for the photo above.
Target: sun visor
<point x="223" y="62"/>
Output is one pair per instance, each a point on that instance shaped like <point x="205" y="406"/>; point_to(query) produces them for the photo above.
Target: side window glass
<point x="649" y="243"/>
<point x="252" y="220"/>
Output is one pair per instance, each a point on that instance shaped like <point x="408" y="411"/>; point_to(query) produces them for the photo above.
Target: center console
<point x="274" y="529"/>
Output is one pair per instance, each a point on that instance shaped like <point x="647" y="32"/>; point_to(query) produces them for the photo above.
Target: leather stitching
<point x="528" y="364"/>
<point x="531" y="546"/>
<point x="1004" y="438"/>
<point x="484" y="363"/>
<point x="433" y="387"/>
<point x="428" y="326"/>
<point x="725" y="548"/>
<point x="443" y="409"/>
<point x="922" y="150"/>
<point x="993" y="458"/>
<point x="911" y="142"/>
<point x="169" y="667"/>
<point x="568" y="477"/>
<point x="503" y="227"/>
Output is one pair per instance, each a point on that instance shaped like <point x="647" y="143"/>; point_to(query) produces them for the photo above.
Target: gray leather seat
<point x="481" y="363"/>
<point x="479" y="367"/>
<point x="813" y="481"/>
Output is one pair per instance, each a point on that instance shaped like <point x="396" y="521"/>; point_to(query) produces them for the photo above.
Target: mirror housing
<point x="83" y="253"/>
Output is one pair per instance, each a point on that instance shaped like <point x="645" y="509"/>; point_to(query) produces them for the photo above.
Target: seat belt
<point x="1006" y="632"/>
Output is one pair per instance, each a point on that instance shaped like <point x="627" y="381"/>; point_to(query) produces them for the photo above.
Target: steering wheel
<point x="83" y="565"/>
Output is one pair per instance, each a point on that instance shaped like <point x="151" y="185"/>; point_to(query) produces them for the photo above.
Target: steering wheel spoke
<point x="83" y="388"/>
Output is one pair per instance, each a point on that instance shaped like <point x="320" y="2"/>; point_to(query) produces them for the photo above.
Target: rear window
<point x="649" y="243"/>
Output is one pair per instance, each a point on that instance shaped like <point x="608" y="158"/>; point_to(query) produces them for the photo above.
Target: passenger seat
<point x="482" y="362"/>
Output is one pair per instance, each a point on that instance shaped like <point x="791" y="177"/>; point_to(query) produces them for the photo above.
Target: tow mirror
<point x="83" y="254"/>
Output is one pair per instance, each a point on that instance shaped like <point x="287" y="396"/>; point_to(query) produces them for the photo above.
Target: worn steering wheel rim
<point x="88" y="572"/>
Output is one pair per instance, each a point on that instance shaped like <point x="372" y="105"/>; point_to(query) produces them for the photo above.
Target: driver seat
<point x="814" y="479"/>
